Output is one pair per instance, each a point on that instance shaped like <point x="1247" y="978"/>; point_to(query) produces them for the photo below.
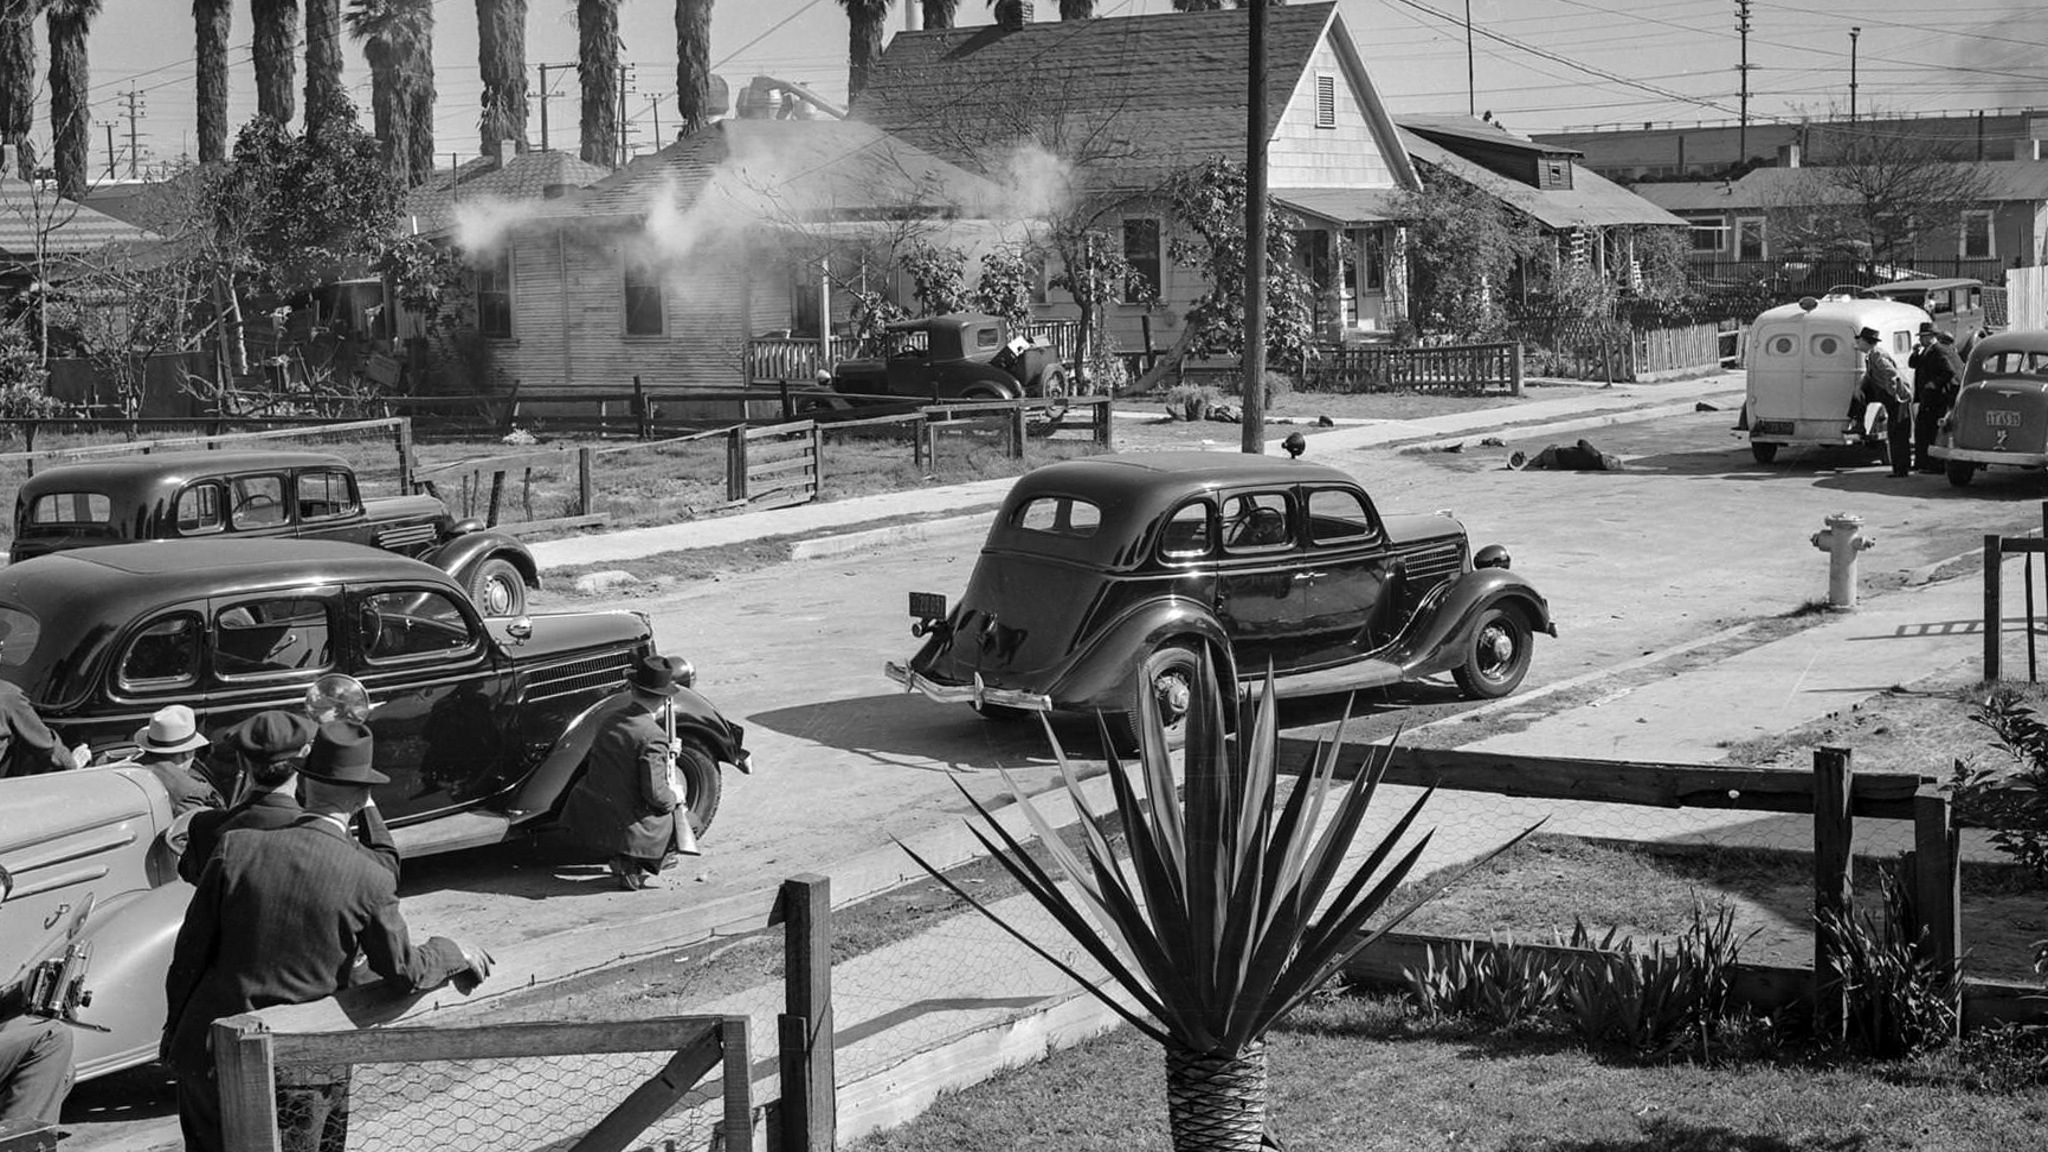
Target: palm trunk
<point x="18" y="81"/>
<point x="276" y="39"/>
<point x="1216" y="1103"/>
<point x="214" y="21"/>
<point x="597" y="65"/>
<point x="939" y="13"/>
<point x="70" y="115"/>
<point x="864" y="36"/>
<point x="501" y="59"/>
<point x="387" y="105"/>
<point x="693" y="64"/>
<point x="323" y="62"/>
<point x="417" y="84"/>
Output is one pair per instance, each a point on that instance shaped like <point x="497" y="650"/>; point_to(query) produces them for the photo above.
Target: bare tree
<point x="1874" y="201"/>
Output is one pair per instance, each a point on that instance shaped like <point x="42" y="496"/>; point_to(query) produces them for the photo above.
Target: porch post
<point x="824" y="314"/>
<point x="1333" y="292"/>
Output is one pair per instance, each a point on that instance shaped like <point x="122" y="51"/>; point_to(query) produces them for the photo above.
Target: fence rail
<point x="1474" y="369"/>
<point x="1996" y="548"/>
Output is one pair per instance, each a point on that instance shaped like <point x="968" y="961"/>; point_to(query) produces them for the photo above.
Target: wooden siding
<point x="1305" y="156"/>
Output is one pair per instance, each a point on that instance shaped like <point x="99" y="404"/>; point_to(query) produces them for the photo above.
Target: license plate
<point x="928" y="605"/>
<point x="2001" y="418"/>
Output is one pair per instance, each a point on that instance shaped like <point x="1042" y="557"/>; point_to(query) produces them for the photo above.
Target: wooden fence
<point x="1832" y="793"/>
<point x="258" y="1053"/>
<point x="2026" y="292"/>
<point x="1659" y="352"/>
<point x="1996" y="548"/>
<point x="795" y="358"/>
<point x="1472" y="369"/>
<point x="397" y="429"/>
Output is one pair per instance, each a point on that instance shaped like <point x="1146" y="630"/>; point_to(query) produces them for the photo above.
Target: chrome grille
<point x="1432" y="562"/>
<point x="602" y="673"/>
<point x="402" y="537"/>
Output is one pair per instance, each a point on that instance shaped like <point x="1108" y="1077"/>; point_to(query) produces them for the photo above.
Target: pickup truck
<point x="262" y="496"/>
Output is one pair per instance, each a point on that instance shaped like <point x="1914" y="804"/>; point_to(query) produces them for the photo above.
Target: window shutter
<point x="1326" y="101"/>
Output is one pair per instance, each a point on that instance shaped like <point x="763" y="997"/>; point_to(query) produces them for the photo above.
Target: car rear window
<point x="18" y="633"/>
<point x="2016" y="363"/>
<point x="1066" y="516"/>
<point x="70" y="508"/>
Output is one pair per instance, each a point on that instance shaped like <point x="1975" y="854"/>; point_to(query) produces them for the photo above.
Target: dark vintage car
<point x="958" y="356"/>
<point x="2001" y="412"/>
<point x="262" y="495"/>
<point x="1097" y="568"/>
<point x="481" y="724"/>
<point x="1956" y="304"/>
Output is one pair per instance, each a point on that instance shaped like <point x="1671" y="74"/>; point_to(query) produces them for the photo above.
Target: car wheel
<point x="1960" y="472"/>
<point x="700" y="774"/>
<point x="1053" y="384"/>
<point x="1497" y="656"/>
<point x="1764" y="453"/>
<point x="497" y="588"/>
<point x="1171" y="674"/>
<point x="982" y="392"/>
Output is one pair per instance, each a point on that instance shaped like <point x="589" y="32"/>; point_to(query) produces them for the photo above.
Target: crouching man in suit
<point x="279" y="918"/>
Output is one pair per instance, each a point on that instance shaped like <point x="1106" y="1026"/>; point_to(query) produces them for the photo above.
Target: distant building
<point x="1676" y="151"/>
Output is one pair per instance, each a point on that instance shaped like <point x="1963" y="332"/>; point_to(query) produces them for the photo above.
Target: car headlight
<point x="1491" y="556"/>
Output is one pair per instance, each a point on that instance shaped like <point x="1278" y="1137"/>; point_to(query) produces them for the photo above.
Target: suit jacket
<point x="278" y="919"/>
<point x="1934" y="374"/>
<point x="27" y="746"/>
<point x="622" y="804"/>
<point x="267" y="812"/>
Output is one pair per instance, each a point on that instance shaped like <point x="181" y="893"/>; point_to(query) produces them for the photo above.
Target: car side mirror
<point x="337" y="696"/>
<point x="520" y="629"/>
<point x="6" y="883"/>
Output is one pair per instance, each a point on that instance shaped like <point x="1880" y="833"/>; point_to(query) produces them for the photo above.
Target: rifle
<point x="686" y="834"/>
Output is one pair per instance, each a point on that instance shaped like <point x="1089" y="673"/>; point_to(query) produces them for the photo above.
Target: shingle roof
<point x="69" y="228"/>
<point x="2006" y="180"/>
<point x="1150" y="93"/>
<point x="1591" y="202"/>
<point x="526" y="176"/>
<point x="1689" y="195"/>
<point x="1480" y="131"/>
<point x="1342" y="205"/>
<point x="805" y="169"/>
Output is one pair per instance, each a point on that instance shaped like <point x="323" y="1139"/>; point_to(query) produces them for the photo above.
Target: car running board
<point x="451" y="833"/>
<point x="1343" y="678"/>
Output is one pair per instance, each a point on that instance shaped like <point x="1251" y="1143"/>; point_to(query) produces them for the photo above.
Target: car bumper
<point x="976" y="693"/>
<point x="1980" y="456"/>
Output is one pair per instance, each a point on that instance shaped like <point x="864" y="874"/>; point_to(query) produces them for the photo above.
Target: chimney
<point x="1012" y="15"/>
<point x="499" y="150"/>
<point x="1788" y="155"/>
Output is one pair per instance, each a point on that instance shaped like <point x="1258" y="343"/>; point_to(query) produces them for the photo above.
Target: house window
<point x="1749" y="238"/>
<point x="1326" y="101"/>
<point x="1557" y="173"/>
<point x="1709" y="233"/>
<point x="643" y="300"/>
<point x="494" y="296"/>
<point x="1142" y="251"/>
<point x="1976" y="243"/>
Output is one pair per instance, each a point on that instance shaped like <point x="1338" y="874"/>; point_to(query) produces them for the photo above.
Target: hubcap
<point x="1496" y="650"/>
<point x="497" y="597"/>
<point x="1175" y="696"/>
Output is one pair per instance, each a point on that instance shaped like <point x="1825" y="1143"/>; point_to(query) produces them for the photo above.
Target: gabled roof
<point x="525" y="176"/>
<point x="146" y="203"/>
<point x="1592" y="201"/>
<point x="69" y="228"/>
<point x="822" y="170"/>
<point x="1479" y="131"/>
<point x="2024" y="181"/>
<point x="1132" y="98"/>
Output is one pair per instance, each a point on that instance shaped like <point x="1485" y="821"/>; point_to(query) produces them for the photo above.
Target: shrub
<point x="1191" y="402"/>
<point x="2004" y="1058"/>
<point x="1899" y="1000"/>
<point x="1496" y="983"/>
<point x="2018" y="816"/>
<point x="1659" y="1003"/>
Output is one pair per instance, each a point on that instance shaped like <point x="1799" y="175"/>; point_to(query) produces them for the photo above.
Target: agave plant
<point x="1222" y="920"/>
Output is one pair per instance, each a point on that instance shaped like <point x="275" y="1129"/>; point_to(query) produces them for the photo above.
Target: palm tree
<point x="501" y="63"/>
<point x="693" y="63"/>
<point x="416" y="73"/>
<point x="397" y="36"/>
<point x="939" y="13"/>
<point x="70" y="22"/>
<point x="212" y="20"/>
<point x="1223" y="919"/>
<point x="275" y="52"/>
<point x="1077" y="9"/>
<point x="323" y="61"/>
<point x="865" y="19"/>
<point x="18" y="79"/>
<point x="597" y="63"/>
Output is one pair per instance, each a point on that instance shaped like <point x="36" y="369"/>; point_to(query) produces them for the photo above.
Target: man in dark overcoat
<point x="27" y="746"/>
<point x="624" y="804"/>
<point x="279" y="918"/>
<point x="270" y="745"/>
<point x="1935" y="381"/>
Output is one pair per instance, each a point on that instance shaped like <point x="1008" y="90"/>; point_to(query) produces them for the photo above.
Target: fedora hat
<point x="342" y="754"/>
<point x="173" y="729"/>
<point x="656" y="676"/>
<point x="274" y="735"/>
<point x="1869" y="334"/>
<point x="1927" y="328"/>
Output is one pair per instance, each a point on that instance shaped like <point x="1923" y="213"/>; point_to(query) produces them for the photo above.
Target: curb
<point x="817" y="547"/>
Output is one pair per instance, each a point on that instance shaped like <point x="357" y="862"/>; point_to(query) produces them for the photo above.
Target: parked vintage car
<point x="958" y="356"/>
<point x="262" y="495"/>
<point x="2001" y="412"/>
<point x="1803" y="369"/>
<point x="481" y="724"/>
<point x="1956" y="304"/>
<point x="1097" y="568"/>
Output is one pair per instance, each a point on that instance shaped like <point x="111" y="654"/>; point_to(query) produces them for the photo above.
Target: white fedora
<point x="172" y="729"/>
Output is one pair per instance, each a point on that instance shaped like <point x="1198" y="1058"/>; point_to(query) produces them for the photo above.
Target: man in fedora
<point x="270" y="746"/>
<point x="1935" y="381"/>
<point x="1882" y="385"/>
<point x="169" y="747"/>
<point x="623" y="804"/>
<point x="279" y="918"/>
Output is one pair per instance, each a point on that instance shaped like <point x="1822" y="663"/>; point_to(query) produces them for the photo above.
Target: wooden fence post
<point x="1938" y="881"/>
<point x="246" y="1073"/>
<point x="1017" y="431"/>
<point x="809" y="1101"/>
<point x="817" y="459"/>
<point x="640" y="413"/>
<point x="586" y="485"/>
<point x="1833" y="843"/>
<point x="737" y="1081"/>
<point x="736" y="464"/>
<point x="497" y="494"/>
<point x="406" y="463"/>
<point x="1103" y="410"/>
<point x="1993" y="604"/>
<point x="1515" y="371"/>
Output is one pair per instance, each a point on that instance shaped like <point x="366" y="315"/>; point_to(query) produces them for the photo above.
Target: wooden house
<point x="663" y="270"/>
<point x="1120" y="104"/>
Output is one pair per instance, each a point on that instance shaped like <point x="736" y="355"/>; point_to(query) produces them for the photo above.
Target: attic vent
<point x="1326" y="101"/>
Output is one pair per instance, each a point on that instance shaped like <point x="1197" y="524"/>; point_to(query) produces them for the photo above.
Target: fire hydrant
<point x="1842" y="540"/>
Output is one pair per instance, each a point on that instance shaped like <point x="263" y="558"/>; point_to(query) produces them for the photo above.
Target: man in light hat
<point x="168" y="746"/>
<point x="279" y="918"/>
<point x="1883" y="386"/>
<point x="270" y="745"/>
<point x="623" y="804"/>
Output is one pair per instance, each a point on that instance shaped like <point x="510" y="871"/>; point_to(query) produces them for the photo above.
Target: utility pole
<point x="1742" y="69"/>
<point x="131" y="107"/>
<point x="654" y="105"/>
<point x="109" y="126"/>
<point x="1254" y="398"/>
<point x="1854" y="32"/>
<point x="1471" y="85"/>
<point x="547" y="94"/>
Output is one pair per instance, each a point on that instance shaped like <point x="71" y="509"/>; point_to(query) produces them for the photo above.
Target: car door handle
<point x="1310" y="575"/>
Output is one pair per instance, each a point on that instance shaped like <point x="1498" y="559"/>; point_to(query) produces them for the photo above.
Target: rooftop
<point x="1593" y="201"/>
<point x="522" y="176"/>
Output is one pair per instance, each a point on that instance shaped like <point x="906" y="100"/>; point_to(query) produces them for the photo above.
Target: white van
<point x="1803" y="368"/>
